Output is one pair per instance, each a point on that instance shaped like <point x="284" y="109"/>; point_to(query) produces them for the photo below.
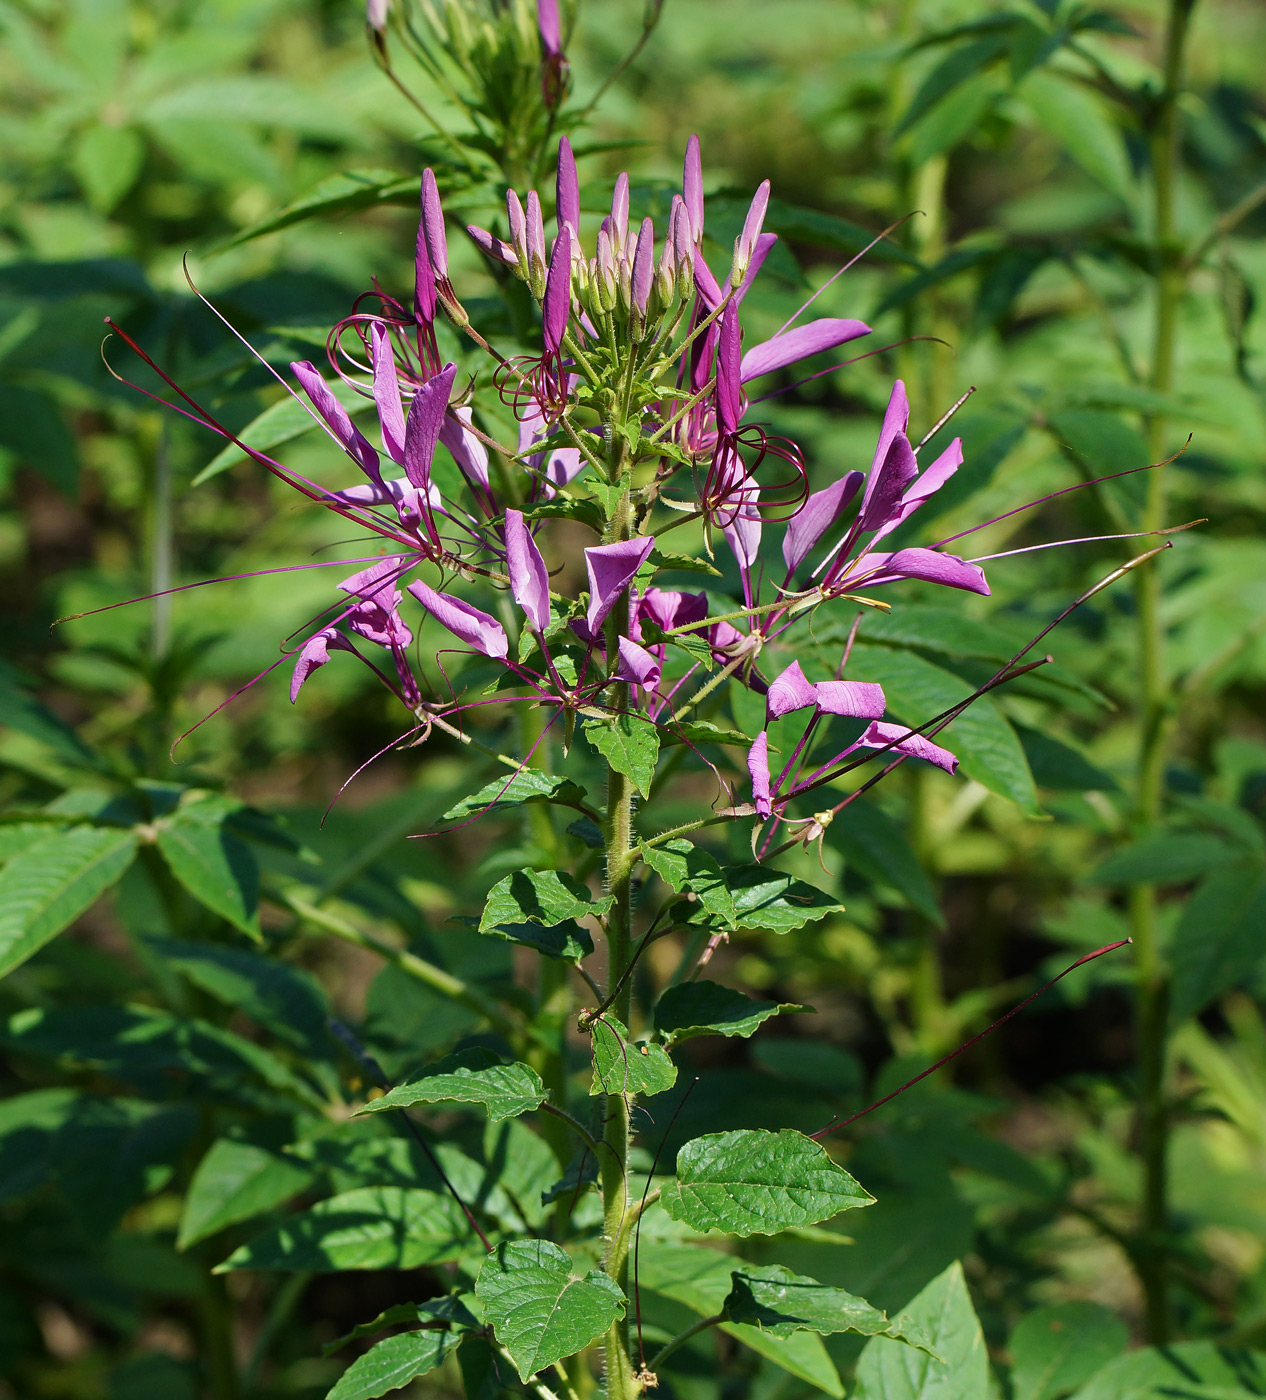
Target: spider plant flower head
<point x="336" y="419"/>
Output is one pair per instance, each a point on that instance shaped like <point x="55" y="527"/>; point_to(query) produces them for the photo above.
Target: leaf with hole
<point x="539" y="1310"/>
<point x="474" y="1075"/>
<point x="624" y="1066"/>
<point x="753" y="1182"/>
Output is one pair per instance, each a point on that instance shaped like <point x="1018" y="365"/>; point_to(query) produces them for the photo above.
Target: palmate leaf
<point x="217" y="867"/>
<point x="768" y="899"/>
<point x="778" y="1301"/>
<point x="539" y="1310"/>
<point x="959" y="1370"/>
<point x="754" y="1182"/>
<point x="54" y="880"/>
<point x="374" y="1227"/>
<point x="474" y="1075"/>
<point x="527" y="785"/>
<point x="19" y="709"/>
<point x="549" y="897"/>
<point x="234" y="1182"/>
<point x="630" y="744"/>
<point x="706" y="1008"/>
<point x="621" y="1066"/>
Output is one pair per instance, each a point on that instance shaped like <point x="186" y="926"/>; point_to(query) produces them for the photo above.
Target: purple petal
<point x="335" y="417"/>
<point x="467" y="624"/>
<point x="729" y="391"/>
<point x="611" y="569"/>
<point x="619" y="230"/>
<point x="788" y="692"/>
<point x="914" y="746"/>
<point x="896" y="420"/>
<point x="557" y="302"/>
<point x="424" y="299"/>
<point x="387" y="393"/>
<point x="422" y="428"/>
<point x="856" y="699"/>
<point x="547" y="22"/>
<point x="637" y="665"/>
<point x="758" y="768"/>
<point x="433" y="224"/>
<point x="535" y="229"/>
<point x="816" y="517"/>
<point x="567" y="188"/>
<point x="692" y="188"/>
<point x="881" y="505"/>
<point x="380" y="624"/>
<point x="669" y="609"/>
<point x="529" y="578"/>
<point x="743" y="533"/>
<point x="314" y="653"/>
<point x="564" y="465"/>
<point x="644" y="266"/>
<point x="377" y="583"/>
<point x="467" y="451"/>
<point x="926" y="484"/>
<point x="930" y="565"/>
<point x="764" y="245"/>
<point x="752" y="226"/>
<point x="798" y="344"/>
<point x="496" y="248"/>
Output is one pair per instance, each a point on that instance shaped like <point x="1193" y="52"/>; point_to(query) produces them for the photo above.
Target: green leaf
<point x="1059" y="766"/>
<point x="1102" y="443"/>
<point x="623" y="1066"/>
<point x="346" y="193"/>
<point x="33" y="426"/>
<point x="1169" y="858"/>
<point x="475" y="1075"/>
<point x="630" y="744"/>
<point x="695" y="646"/>
<point x="753" y="1182"/>
<point x="769" y="899"/>
<point x="1081" y="124"/>
<point x="540" y="1311"/>
<point x="686" y="868"/>
<point x="1180" y="1371"/>
<point x="286" y="1000"/>
<point x="778" y="1301"/>
<point x="985" y="743"/>
<point x="867" y="837"/>
<point x="1218" y="940"/>
<point x="567" y="941"/>
<point x="279" y="423"/>
<point x="701" y="1279"/>
<point x="941" y="630"/>
<point x="686" y="563"/>
<point x="234" y="1182"/>
<point x="50" y="883"/>
<point x="29" y="1124"/>
<point x="888" y="1370"/>
<point x="549" y="897"/>
<point x="800" y="225"/>
<point x="394" y="1362"/>
<point x="956" y="67"/>
<point x="701" y="731"/>
<point x="375" y="1227"/>
<point x="217" y="868"/>
<point x="448" y="1309"/>
<point x="501" y="795"/>
<point x="956" y="115"/>
<point x="706" y="1008"/>
<point x="1055" y="1349"/>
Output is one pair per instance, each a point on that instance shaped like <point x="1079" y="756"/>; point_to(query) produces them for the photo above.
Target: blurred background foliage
<point x="1013" y="145"/>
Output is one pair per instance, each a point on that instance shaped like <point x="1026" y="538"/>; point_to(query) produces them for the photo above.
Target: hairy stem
<point x="1151" y="992"/>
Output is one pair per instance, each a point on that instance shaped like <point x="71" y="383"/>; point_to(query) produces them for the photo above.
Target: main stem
<point x="1151" y="982"/>
<point x="621" y="1382"/>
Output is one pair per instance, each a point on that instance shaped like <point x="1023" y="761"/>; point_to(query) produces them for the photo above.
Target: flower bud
<point x="535" y="244"/>
<point x="643" y="267"/>
<point x="606" y="283"/>
<point x="666" y="274"/>
<point x="620" y="214"/>
<point x="376" y="14"/>
<point x="746" y="241"/>
<point x="518" y="230"/>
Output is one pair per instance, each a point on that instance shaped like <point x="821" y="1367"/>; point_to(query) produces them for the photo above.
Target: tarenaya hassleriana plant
<point x="634" y="420"/>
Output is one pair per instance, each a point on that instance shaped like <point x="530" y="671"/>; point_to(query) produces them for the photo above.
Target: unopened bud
<point x="624" y="280"/>
<point x="666" y="274"/>
<point x="606" y="283"/>
<point x="535" y="244"/>
<point x="376" y="14"/>
<point x="643" y="267"/>
<point x="746" y="241"/>
<point x="620" y="213"/>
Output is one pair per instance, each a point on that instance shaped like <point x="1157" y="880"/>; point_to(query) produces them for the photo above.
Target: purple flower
<point x="433" y="226"/>
<point x="335" y="417"/>
<point x="556" y="306"/>
<point x="466" y="623"/>
<point x="611" y="569"/>
<point x="745" y="244"/>
<point x="549" y="26"/>
<point x="692" y="189"/>
<point x="558" y="468"/>
<point x="387" y="393"/>
<point x="758" y="769"/>
<point x="877" y="736"/>
<point x="856" y="699"/>
<point x="789" y="346"/>
<point x="567" y="189"/>
<point x="529" y="578"/>
<point x="789" y="691"/>
<point x="314" y="653"/>
<point x="638" y="666"/>
<point x="818" y="514"/>
<point x="930" y="565"/>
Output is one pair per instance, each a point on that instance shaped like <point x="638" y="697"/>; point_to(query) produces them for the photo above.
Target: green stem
<point x="669" y="1347"/>
<point x="1151" y="989"/>
<point x="217" y="1340"/>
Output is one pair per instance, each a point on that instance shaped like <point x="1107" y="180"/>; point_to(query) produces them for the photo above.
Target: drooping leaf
<point x="501" y="795"/>
<point x="474" y="1075"/>
<point x="393" y="1363"/>
<point x="568" y="941"/>
<point x="687" y="868"/>
<point x="539" y="1310"/>
<point x="706" y="1008"/>
<point x="449" y="1310"/>
<point x="288" y="1001"/>
<point x="622" y="1066"/>
<point x="776" y="1300"/>
<point x="769" y="899"/>
<point x="236" y="1181"/>
<point x="549" y="897"/>
<point x="957" y="66"/>
<point x="889" y="1370"/>
<point x="1168" y="857"/>
<point x="375" y="1227"/>
<point x="753" y="1182"/>
<point x="630" y="744"/>
<point x="281" y="422"/>
<point x="1080" y="123"/>
<point x="217" y="867"/>
<point x="868" y="838"/>
<point x="1218" y="940"/>
<point x="1057" y="1348"/>
<point x="53" y="881"/>
<point x="702" y="731"/>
